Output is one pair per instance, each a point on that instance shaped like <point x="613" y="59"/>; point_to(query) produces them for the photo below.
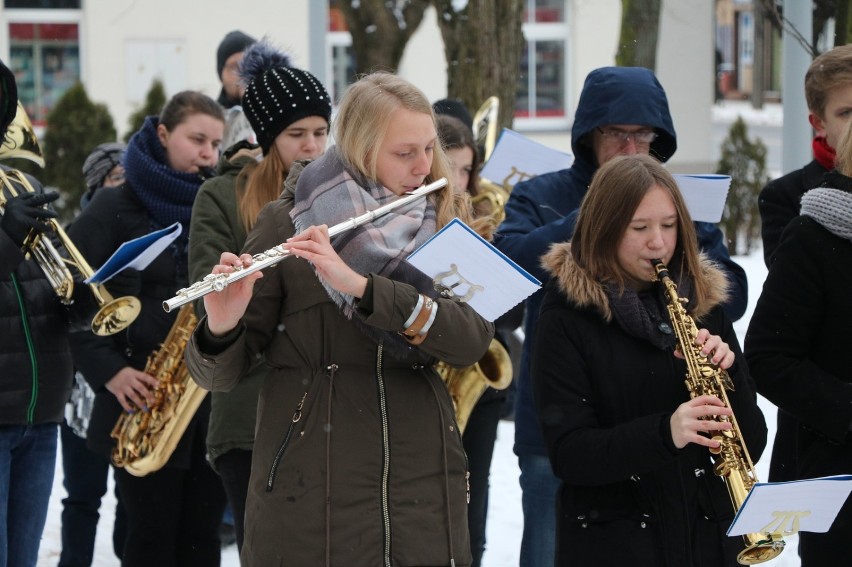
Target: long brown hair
<point x="615" y="193"/>
<point x="362" y="121"/>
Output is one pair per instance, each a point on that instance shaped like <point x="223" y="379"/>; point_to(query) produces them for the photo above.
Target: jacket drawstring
<point x="30" y="349"/>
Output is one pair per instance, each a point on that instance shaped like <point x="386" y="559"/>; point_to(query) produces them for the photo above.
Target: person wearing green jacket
<point x="225" y="210"/>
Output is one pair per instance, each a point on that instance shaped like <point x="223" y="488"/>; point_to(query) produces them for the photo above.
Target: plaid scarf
<point x="327" y="192"/>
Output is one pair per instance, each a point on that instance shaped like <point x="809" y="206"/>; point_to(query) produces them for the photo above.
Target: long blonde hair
<point x="362" y="121"/>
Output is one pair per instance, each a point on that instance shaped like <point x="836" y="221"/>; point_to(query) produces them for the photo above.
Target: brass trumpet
<point x="113" y="314"/>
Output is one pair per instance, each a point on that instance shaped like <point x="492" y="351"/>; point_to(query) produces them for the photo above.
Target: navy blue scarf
<point x="167" y="194"/>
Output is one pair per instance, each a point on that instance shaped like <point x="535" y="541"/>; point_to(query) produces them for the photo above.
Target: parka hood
<point x="585" y="291"/>
<point x="623" y="95"/>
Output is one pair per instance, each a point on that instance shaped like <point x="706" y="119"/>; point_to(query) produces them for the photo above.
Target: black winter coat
<point x="780" y="202"/>
<point x="605" y="398"/>
<point x="35" y="362"/>
<point x="797" y="348"/>
<point x="113" y="217"/>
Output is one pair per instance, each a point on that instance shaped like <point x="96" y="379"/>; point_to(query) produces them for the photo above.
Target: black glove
<point x="26" y="212"/>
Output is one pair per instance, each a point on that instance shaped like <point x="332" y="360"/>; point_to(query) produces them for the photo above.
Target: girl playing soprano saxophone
<point x="629" y="444"/>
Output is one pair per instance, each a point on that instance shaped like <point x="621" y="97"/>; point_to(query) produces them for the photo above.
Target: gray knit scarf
<point x="831" y="208"/>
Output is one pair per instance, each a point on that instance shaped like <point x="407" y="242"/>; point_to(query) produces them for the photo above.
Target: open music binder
<point x="467" y="267"/>
<point x="786" y="508"/>
<point x="136" y="253"/>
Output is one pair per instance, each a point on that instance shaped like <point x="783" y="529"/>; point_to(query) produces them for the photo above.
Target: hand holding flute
<point x="226" y="308"/>
<point x="234" y="271"/>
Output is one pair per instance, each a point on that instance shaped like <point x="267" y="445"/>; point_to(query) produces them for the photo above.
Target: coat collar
<point x="576" y="284"/>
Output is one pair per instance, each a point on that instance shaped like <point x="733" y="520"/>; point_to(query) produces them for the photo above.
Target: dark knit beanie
<point x="8" y="98"/>
<point x="278" y="95"/>
<point x="235" y="42"/>
<point x="101" y="161"/>
<point x="455" y="108"/>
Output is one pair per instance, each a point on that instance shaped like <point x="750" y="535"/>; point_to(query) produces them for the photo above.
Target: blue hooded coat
<point x="542" y="210"/>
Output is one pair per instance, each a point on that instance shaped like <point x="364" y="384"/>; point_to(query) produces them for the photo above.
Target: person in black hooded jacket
<point x="35" y="362"/>
<point x="623" y="433"/>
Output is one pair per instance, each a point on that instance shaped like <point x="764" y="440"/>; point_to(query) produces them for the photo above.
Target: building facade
<point x="118" y="47"/>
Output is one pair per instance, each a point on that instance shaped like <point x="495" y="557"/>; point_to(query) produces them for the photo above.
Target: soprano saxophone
<point x="732" y="461"/>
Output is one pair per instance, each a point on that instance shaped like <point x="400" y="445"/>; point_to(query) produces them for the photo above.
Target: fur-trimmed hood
<point x="584" y="291"/>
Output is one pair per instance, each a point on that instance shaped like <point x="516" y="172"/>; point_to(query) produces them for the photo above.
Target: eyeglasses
<point x="116" y="177"/>
<point x="640" y="138"/>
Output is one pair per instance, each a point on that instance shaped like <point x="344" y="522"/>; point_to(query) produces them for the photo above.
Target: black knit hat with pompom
<point x="278" y="95"/>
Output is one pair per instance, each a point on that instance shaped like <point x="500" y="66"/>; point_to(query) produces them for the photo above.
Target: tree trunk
<point x="380" y="31"/>
<point x="759" y="64"/>
<point x="483" y="43"/>
<point x="640" y="28"/>
<point x="841" y="29"/>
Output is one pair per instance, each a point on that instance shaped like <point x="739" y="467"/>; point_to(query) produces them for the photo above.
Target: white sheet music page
<point x="705" y="194"/>
<point x="463" y="262"/>
<point x="136" y="253"/>
<point x="789" y="507"/>
<point x="516" y="157"/>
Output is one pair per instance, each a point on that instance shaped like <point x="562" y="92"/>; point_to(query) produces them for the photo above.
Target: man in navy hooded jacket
<point x="622" y="110"/>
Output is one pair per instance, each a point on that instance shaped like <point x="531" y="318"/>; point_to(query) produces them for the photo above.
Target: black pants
<point x="235" y="469"/>
<point x="479" y="437"/>
<point x="85" y="480"/>
<point x="173" y="515"/>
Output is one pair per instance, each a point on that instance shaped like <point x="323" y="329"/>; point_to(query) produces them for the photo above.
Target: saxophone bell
<point x="466" y="385"/>
<point x="145" y="440"/>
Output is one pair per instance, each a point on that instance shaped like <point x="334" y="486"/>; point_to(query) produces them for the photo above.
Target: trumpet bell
<point x="116" y="315"/>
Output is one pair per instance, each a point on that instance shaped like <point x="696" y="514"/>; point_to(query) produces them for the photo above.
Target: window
<point x="45" y="58"/>
<point x="339" y="46"/>
<point x="542" y="95"/>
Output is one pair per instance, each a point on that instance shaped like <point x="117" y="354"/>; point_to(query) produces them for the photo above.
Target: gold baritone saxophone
<point x="144" y="440"/>
<point x="732" y="461"/>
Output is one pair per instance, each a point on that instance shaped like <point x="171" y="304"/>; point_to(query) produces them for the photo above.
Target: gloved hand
<point x="25" y="212"/>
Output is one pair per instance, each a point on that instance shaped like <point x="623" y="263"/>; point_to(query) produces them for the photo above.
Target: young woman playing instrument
<point x="226" y="210"/>
<point x="357" y="459"/>
<point x="173" y="514"/>
<point x="623" y="434"/>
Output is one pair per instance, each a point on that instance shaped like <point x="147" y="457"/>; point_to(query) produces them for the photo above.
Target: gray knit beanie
<point x="278" y="95"/>
<point x="101" y="161"/>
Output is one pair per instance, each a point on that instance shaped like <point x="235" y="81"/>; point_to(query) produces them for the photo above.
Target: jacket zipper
<point x="30" y="350"/>
<point x="330" y="372"/>
<point x="383" y="411"/>
<point x="297" y="416"/>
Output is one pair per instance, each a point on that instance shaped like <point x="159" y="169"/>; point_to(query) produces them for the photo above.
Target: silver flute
<point x="263" y="260"/>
